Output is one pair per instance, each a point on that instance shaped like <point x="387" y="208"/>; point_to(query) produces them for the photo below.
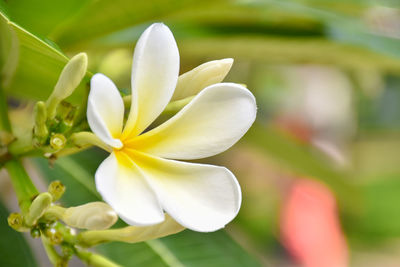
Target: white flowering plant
<point x="146" y="180"/>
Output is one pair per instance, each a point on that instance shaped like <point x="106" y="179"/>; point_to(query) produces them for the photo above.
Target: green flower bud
<point x="54" y="236"/>
<point x="56" y="190"/>
<point x="57" y="141"/>
<point x="70" y="77"/>
<point x="67" y="251"/>
<point x="92" y="216"/>
<point x="15" y="221"/>
<point x="66" y="114"/>
<point x="38" y="207"/>
<point x="40" y="130"/>
<point x="62" y="264"/>
<point x="35" y="232"/>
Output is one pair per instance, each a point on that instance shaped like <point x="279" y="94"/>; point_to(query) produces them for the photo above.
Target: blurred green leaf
<point x="187" y="248"/>
<point x="347" y="21"/>
<point x="379" y="219"/>
<point x="51" y="13"/>
<point x="77" y="173"/>
<point x="102" y="17"/>
<point x="303" y="161"/>
<point x="29" y="66"/>
<point x="265" y="49"/>
<point x="14" y="250"/>
<point x="183" y="249"/>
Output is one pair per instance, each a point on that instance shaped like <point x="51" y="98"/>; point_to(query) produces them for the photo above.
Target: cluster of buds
<point x="57" y="226"/>
<point x="75" y="228"/>
<point x="44" y="213"/>
<point x="55" y="118"/>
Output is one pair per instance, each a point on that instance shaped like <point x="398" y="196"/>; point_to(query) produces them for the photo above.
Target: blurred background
<point x="319" y="169"/>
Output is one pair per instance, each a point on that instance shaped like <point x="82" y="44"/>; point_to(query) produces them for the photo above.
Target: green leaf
<point x="29" y="65"/>
<point x="187" y="248"/>
<point x="303" y="161"/>
<point x="102" y="17"/>
<point x="183" y="249"/>
<point x="380" y="216"/>
<point x="42" y="17"/>
<point x="77" y="173"/>
<point x="14" y="250"/>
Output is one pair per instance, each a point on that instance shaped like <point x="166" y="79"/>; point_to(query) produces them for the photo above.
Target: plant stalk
<point x="95" y="260"/>
<point x="23" y="186"/>
<point x="4" y="120"/>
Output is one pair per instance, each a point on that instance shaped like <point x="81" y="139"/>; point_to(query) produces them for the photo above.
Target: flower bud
<point x="38" y="207"/>
<point x="35" y="232"/>
<point x="57" y="141"/>
<point x="40" y="129"/>
<point x="67" y="251"/>
<point x="56" y="190"/>
<point x="54" y="236"/>
<point x="192" y="82"/>
<point x="92" y="216"/>
<point x="70" y="77"/>
<point x="15" y="221"/>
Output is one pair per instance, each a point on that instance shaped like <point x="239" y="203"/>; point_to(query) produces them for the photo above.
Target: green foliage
<point x="14" y="250"/>
<point x="183" y="249"/>
<point x="29" y="66"/>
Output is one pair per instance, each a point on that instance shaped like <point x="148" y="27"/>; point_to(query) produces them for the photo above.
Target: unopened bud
<point x="56" y="190"/>
<point x="57" y="141"/>
<point x="61" y="264"/>
<point x="66" y="114"/>
<point x="192" y="82"/>
<point x="67" y="251"/>
<point x="70" y="77"/>
<point x="40" y="129"/>
<point x="92" y="216"/>
<point x="15" y="221"/>
<point x="38" y="207"/>
<point x="35" y="232"/>
<point x="54" y="236"/>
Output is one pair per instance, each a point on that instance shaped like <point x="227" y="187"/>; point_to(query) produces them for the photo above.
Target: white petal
<point x="192" y="82"/>
<point x="200" y="197"/>
<point x="155" y="72"/>
<point x="122" y="186"/>
<point x="211" y="123"/>
<point x="105" y="111"/>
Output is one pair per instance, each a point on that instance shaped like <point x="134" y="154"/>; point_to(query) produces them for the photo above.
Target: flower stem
<point x="4" y="120"/>
<point x="23" y="186"/>
<point x="51" y="252"/>
<point x="95" y="260"/>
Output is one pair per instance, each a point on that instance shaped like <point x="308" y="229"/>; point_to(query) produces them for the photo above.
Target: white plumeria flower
<point x="141" y="178"/>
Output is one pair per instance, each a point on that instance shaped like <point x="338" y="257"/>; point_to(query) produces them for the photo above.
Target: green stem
<point x="4" y="120"/>
<point x="51" y="252"/>
<point x="22" y="145"/>
<point x="95" y="260"/>
<point x="23" y="186"/>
